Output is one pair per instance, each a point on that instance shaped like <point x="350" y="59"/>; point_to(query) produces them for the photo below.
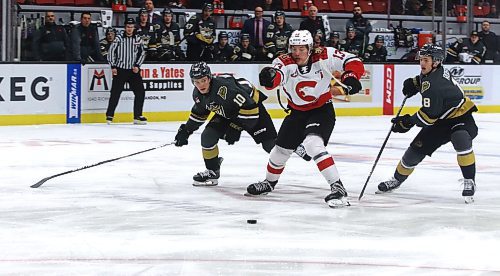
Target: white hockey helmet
<point x="301" y="37"/>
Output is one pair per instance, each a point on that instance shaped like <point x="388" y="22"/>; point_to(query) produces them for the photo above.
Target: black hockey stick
<point x="381" y="149"/>
<point x="40" y="183"/>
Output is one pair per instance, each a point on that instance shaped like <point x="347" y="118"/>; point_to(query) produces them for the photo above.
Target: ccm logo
<point x="388" y="84"/>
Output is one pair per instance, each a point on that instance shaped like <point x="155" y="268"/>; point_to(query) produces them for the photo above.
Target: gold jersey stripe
<point x="461" y="110"/>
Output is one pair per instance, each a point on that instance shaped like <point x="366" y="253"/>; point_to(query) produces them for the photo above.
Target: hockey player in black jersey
<point x="277" y="35"/>
<point x="237" y="105"/>
<point x="445" y="115"/>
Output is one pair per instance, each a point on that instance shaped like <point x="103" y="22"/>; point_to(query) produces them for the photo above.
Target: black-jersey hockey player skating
<point x="445" y="115"/>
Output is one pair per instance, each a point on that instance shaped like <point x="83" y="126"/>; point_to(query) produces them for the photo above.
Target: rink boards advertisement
<point x="72" y="93"/>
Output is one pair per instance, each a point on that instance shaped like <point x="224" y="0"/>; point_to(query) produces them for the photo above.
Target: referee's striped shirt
<point x="126" y="52"/>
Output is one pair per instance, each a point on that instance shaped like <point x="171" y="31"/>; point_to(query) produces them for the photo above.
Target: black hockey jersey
<point x="231" y="98"/>
<point x="442" y="99"/>
<point x="375" y="54"/>
<point x="276" y="41"/>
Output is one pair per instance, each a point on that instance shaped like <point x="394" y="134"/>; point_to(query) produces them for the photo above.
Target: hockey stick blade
<point x="381" y="150"/>
<point x="41" y="182"/>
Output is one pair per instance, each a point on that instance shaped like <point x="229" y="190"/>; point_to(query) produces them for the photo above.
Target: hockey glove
<point x="181" y="139"/>
<point x="350" y="80"/>
<point x="411" y="86"/>
<point x="233" y="134"/>
<point x="402" y="124"/>
<point x="266" y="76"/>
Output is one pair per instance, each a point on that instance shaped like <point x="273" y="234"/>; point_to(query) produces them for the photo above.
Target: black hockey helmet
<point x="110" y="30"/>
<point x="223" y="34"/>
<point x="279" y="13"/>
<point x="207" y="6"/>
<point x="430" y="50"/>
<point x="142" y="11"/>
<point x="200" y="70"/>
<point x="245" y="36"/>
<point x="167" y="11"/>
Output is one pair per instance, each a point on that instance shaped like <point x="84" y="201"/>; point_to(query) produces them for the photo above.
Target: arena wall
<point x="72" y="93"/>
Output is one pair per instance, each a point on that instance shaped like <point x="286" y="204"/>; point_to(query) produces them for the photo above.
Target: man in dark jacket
<point x="85" y="41"/>
<point x="256" y="28"/>
<point x="490" y="40"/>
<point x="361" y="25"/>
<point x="50" y="42"/>
<point x="313" y="23"/>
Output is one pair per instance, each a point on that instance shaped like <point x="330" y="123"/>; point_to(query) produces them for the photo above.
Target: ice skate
<point x="141" y="120"/>
<point x="338" y="196"/>
<point x="301" y="151"/>
<point x="260" y="188"/>
<point x="207" y="177"/>
<point x="388" y="186"/>
<point x="469" y="190"/>
<point x="109" y="120"/>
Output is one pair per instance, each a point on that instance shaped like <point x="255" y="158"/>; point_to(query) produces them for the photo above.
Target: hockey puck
<point x="251" y="221"/>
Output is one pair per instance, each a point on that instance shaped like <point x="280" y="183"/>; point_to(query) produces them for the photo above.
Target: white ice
<point x="141" y="215"/>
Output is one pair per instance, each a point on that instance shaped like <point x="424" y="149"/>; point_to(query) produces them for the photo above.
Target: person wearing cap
<point x="351" y="43"/>
<point x="313" y="23"/>
<point x="244" y="51"/>
<point x="126" y="55"/>
<point x="150" y="34"/>
<point x="468" y="51"/>
<point x="106" y="42"/>
<point x="277" y="35"/>
<point x="222" y="51"/>
<point x="85" y="41"/>
<point x="170" y="38"/>
<point x="199" y="32"/>
<point x="334" y="40"/>
<point x="376" y="52"/>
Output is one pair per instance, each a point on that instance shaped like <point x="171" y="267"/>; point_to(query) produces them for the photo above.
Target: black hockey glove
<point x="266" y="76"/>
<point x="233" y="134"/>
<point x="411" y="86"/>
<point x="402" y="124"/>
<point x="181" y="139"/>
<point x="349" y="79"/>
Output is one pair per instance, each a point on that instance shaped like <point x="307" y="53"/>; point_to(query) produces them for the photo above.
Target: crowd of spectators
<point x="260" y="39"/>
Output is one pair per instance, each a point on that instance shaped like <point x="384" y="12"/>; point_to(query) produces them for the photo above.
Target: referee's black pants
<point x="135" y="82"/>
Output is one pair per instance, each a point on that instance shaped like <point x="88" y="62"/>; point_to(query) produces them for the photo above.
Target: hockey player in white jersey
<point x="305" y="74"/>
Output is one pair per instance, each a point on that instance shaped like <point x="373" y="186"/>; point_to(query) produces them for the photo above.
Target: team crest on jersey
<point x="294" y="74"/>
<point x="425" y="86"/>
<point x="222" y="92"/>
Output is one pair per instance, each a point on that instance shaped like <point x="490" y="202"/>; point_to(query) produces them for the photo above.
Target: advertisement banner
<point x="73" y="90"/>
<point x="388" y="90"/>
<point x="32" y="89"/>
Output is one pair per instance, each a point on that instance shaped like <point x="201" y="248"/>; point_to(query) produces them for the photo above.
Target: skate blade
<point x="250" y="195"/>
<point x="141" y="123"/>
<point x="469" y="199"/>
<point x="338" y="203"/>
<point x="208" y="183"/>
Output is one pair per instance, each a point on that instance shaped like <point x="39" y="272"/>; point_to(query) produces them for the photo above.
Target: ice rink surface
<point x="141" y="215"/>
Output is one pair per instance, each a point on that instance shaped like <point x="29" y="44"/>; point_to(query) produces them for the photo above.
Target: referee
<point x="126" y="54"/>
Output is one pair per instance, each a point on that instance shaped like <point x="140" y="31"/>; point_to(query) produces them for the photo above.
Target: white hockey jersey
<point x="308" y="87"/>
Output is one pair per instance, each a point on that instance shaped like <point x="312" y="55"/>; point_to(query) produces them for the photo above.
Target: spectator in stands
<point x="199" y="4"/>
<point x="493" y="12"/>
<point x="376" y="52"/>
<point x="271" y="5"/>
<point x="397" y="7"/>
<point x="153" y="17"/>
<point x="352" y="44"/>
<point x="361" y="25"/>
<point x="490" y="40"/>
<point x="256" y="28"/>
<point x="150" y="34"/>
<point x="200" y="34"/>
<point x="413" y="7"/>
<point x="334" y="40"/>
<point x="244" y="51"/>
<point x="170" y="38"/>
<point x="222" y="51"/>
<point x="470" y="51"/>
<point x="277" y="36"/>
<point x="105" y="43"/>
<point x="50" y="42"/>
<point x="85" y="41"/>
<point x="313" y="23"/>
<point x="427" y="8"/>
